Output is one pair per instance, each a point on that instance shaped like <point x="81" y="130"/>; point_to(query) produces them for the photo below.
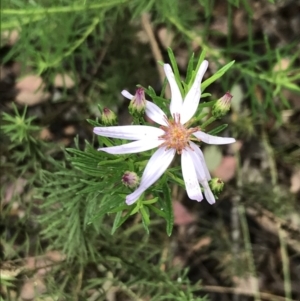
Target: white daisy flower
<point x="173" y="136"/>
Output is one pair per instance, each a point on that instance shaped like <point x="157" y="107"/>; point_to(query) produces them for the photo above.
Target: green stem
<point x="207" y="122"/>
<point x="195" y="37"/>
<point x="77" y="43"/>
<point x="62" y="9"/>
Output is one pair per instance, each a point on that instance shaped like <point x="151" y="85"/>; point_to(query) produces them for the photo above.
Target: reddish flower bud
<point x="108" y="117"/>
<point x="130" y="179"/>
<point x="216" y="185"/>
<point x="222" y="106"/>
<point x="137" y="104"/>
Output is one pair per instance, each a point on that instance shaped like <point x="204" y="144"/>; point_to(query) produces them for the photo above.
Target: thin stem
<point x="74" y="47"/>
<point x="195" y="37"/>
<point x="61" y="9"/>
<point x="248" y="248"/>
<point x="207" y="122"/>
<point x="285" y="265"/>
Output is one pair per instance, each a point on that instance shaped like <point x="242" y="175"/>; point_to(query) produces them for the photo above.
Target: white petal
<point x="126" y="94"/>
<point x="209" y="139"/>
<point x="176" y="97"/>
<point x="203" y="165"/>
<point x="156" y="166"/>
<point x="129" y="132"/>
<point x="200" y="171"/>
<point x="190" y="177"/>
<point x="155" y="113"/>
<point x="191" y="101"/>
<point x="132" y="147"/>
<point x="207" y="192"/>
<point x="133" y="197"/>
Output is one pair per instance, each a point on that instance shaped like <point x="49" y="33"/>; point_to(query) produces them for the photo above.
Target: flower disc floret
<point x="177" y="135"/>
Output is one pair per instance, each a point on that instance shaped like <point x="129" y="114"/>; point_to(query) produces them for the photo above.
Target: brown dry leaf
<point x="70" y="130"/>
<point x="64" y="80"/>
<point x="17" y="210"/>
<point x="4" y="72"/>
<point x="181" y="215"/>
<point x="286" y="115"/>
<point x="9" y="269"/>
<point x="65" y="141"/>
<point x="55" y="256"/>
<point x="240" y="24"/>
<point x="166" y="37"/>
<point x="16" y="68"/>
<point x="41" y="264"/>
<point x="246" y="284"/>
<point x="142" y="37"/>
<point x="179" y="262"/>
<point x="31" y="90"/>
<point x="9" y="37"/>
<point x="235" y="147"/>
<point x="220" y="25"/>
<point x="226" y="170"/>
<point x="292" y="98"/>
<point x="203" y="242"/>
<point x="32" y="288"/>
<point x="295" y="181"/>
<point x="46" y="135"/>
<point x="282" y="65"/>
<point x="13" y="189"/>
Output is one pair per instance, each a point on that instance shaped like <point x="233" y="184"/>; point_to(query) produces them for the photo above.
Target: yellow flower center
<point x="176" y="135"/>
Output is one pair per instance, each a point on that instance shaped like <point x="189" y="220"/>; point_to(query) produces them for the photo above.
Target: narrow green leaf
<point x="163" y="89"/>
<point x="168" y="208"/>
<point x="157" y="211"/>
<point x="108" y="204"/>
<point x="121" y="220"/>
<point x="145" y="218"/>
<point x="116" y="222"/>
<point x="145" y="215"/>
<point x="218" y="129"/>
<point x="93" y="122"/>
<point x="190" y="67"/>
<point x="175" y="69"/>
<point x="217" y="75"/>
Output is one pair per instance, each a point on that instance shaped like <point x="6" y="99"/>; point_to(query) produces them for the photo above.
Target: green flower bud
<point x="222" y="106"/>
<point x="137" y="104"/>
<point x="216" y="185"/>
<point x="108" y="117"/>
<point x="130" y="179"/>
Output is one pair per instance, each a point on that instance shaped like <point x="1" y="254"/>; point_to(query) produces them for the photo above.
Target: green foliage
<point x="19" y="127"/>
<point x="72" y="195"/>
<point x="75" y="199"/>
<point x="80" y="28"/>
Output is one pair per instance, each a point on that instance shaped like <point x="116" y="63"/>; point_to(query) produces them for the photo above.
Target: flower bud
<point x="222" y="106"/>
<point x="137" y="104"/>
<point x="216" y="185"/>
<point x="108" y="117"/>
<point x="130" y="179"/>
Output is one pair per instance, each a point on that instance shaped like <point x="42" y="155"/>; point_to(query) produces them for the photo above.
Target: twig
<point x="235" y="225"/>
<point x="79" y="284"/>
<point x="155" y="49"/>
<point x="285" y="265"/>
<point x="232" y="290"/>
<point x="248" y="248"/>
<point x="269" y="222"/>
